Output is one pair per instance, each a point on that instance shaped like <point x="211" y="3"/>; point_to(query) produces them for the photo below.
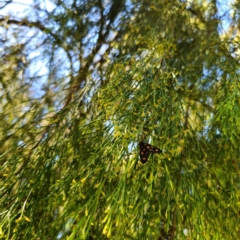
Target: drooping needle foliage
<point x="82" y="83"/>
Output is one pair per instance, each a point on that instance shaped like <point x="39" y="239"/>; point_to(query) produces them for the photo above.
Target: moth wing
<point x="144" y="156"/>
<point x="153" y="149"/>
<point x="144" y="152"/>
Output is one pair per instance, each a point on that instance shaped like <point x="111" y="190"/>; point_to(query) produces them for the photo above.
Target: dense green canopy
<point x="83" y="82"/>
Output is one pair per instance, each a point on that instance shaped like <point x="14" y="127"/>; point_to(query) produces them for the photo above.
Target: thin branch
<point x="28" y="23"/>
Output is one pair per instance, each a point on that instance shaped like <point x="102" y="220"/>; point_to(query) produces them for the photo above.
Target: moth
<point x="146" y="149"/>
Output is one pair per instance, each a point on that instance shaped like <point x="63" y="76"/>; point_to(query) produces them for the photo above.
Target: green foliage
<point x="69" y="149"/>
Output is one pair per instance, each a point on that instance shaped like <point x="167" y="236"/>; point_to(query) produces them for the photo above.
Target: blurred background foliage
<point x="82" y="82"/>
